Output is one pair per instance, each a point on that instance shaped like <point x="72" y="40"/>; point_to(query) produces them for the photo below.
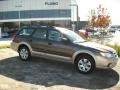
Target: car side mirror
<point x="65" y="40"/>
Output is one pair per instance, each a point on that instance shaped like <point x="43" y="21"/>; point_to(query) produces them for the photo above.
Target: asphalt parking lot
<point x="41" y="74"/>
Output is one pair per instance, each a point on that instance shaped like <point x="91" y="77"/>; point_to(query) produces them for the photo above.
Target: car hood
<point x="97" y="46"/>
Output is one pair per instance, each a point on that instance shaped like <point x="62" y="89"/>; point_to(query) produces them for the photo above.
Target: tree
<point x="99" y="18"/>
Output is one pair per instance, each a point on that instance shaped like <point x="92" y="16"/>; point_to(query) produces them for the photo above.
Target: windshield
<point x="72" y="36"/>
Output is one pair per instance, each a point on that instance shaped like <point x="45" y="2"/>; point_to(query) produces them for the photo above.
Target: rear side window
<point x="40" y="34"/>
<point x="26" y="32"/>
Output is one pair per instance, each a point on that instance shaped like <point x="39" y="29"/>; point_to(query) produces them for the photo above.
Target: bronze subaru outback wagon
<point x="65" y="45"/>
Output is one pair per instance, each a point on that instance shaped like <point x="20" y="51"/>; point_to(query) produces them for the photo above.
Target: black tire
<point x="90" y="63"/>
<point x="28" y="54"/>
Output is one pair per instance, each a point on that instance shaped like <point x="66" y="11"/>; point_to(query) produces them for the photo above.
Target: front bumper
<point x="102" y="62"/>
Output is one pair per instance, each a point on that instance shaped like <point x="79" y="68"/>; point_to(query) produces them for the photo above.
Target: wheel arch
<point x="24" y="44"/>
<point x="78" y="53"/>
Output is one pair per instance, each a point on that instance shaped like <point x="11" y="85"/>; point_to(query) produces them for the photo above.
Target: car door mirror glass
<point x="65" y="40"/>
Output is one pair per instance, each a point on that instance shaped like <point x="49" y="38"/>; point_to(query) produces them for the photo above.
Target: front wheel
<point x="24" y="53"/>
<point x="85" y="64"/>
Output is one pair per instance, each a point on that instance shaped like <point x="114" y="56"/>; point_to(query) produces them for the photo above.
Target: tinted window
<point x="40" y="34"/>
<point x="34" y="14"/>
<point x="26" y="32"/>
<point x="54" y="35"/>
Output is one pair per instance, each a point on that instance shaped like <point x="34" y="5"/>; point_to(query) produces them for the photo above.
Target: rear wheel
<point x="24" y="53"/>
<point x="85" y="64"/>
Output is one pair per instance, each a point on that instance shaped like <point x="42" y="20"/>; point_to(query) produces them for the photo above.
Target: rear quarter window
<point x="26" y="32"/>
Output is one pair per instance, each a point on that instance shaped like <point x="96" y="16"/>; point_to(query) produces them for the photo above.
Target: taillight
<point x="14" y="37"/>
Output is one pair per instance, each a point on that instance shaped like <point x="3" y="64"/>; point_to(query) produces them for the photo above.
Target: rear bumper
<point x="14" y="46"/>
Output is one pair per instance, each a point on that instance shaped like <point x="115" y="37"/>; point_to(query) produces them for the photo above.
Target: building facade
<point x="24" y="12"/>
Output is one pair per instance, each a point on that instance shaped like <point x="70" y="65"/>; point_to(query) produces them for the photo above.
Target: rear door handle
<point x="49" y="43"/>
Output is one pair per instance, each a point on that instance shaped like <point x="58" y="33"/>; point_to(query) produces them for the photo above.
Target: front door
<point x="56" y="46"/>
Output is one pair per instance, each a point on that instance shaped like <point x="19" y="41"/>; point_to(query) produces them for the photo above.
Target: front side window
<point x="54" y="35"/>
<point x="40" y="34"/>
<point x="72" y="36"/>
<point x="26" y="32"/>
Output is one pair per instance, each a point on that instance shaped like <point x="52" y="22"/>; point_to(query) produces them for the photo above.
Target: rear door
<point x="39" y="40"/>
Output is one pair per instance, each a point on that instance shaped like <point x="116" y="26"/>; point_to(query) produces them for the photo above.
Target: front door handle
<point x="49" y="43"/>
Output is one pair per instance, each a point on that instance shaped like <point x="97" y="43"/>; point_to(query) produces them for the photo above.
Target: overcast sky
<point x="113" y="7"/>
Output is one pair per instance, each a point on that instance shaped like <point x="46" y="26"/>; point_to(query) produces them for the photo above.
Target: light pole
<point x="19" y="5"/>
<point x="0" y="33"/>
<point x="19" y="18"/>
<point x="74" y="15"/>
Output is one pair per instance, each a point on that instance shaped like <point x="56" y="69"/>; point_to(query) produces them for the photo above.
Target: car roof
<point x="61" y="29"/>
<point x="36" y="27"/>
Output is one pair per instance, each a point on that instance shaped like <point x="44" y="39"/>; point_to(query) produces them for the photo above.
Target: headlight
<point x="107" y="54"/>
